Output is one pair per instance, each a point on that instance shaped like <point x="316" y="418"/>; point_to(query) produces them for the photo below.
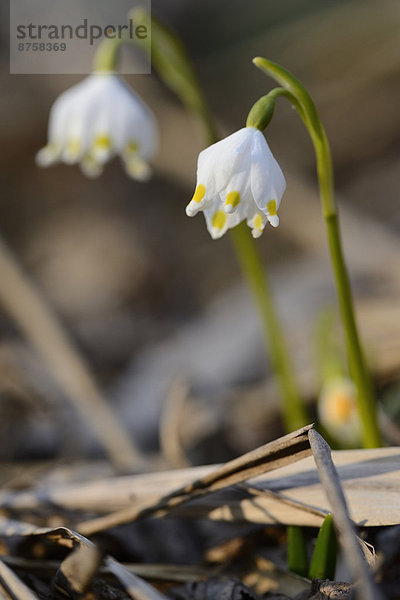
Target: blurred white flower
<point x="238" y="178"/>
<point x="338" y="413"/>
<point x="96" y="119"/>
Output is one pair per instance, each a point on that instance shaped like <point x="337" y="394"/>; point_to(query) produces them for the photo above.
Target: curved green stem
<point x="302" y="101"/>
<point x="106" y="57"/>
<point x="169" y="57"/>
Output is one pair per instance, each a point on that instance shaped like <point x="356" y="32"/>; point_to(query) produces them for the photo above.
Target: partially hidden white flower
<point x="338" y="413"/>
<point x="238" y="179"/>
<point x="96" y="119"/>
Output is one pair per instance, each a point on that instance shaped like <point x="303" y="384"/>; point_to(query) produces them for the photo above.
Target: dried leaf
<point x="291" y="495"/>
<point x="286" y="450"/>
<point x="77" y="570"/>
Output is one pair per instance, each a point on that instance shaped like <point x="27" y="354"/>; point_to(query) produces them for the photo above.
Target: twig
<point x="169" y="424"/>
<point x="13" y="585"/>
<point x="137" y="588"/>
<point x="42" y="328"/>
<point x="363" y="582"/>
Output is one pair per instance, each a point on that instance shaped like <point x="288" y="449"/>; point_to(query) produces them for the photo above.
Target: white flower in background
<point x="96" y="119"/>
<point x="338" y="413"/>
<point x="238" y="179"/>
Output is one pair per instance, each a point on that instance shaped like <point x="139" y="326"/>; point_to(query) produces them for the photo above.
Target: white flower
<point x="96" y="119"/>
<point x="338" y="413"/>
<point x="238" y="178"/>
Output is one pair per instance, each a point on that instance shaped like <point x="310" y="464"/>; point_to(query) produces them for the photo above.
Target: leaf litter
<point x="80" y="549"/>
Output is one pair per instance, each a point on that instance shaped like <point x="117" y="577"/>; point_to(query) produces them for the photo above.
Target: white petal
<point x="267" y="180"/>
<point x="90" y="167"/>
<point x="137" y="168"/>
<point x="219" y="225"/>
<point x="273" y="220"/>
<point x="238" y="188"/>
<point x="256" y="220"/>
<point x="216" y="220"/>
<point x="47" y="156"/>
<point x="217" y="163"/>
<point x="132" y="121"/>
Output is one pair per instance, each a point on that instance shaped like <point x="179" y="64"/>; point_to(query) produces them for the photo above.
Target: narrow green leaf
<point x="323" y="561"/>
<point x="297" y="551"/>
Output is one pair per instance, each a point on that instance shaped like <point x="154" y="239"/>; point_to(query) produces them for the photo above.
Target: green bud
<point x="261" y="112"/>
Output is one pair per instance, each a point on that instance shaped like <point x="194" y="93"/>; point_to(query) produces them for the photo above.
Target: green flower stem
<point x="169" y="57"/>
<point x="300" y="98"/>
<point x="294" y="412"/>
<point x="106" y="56"/>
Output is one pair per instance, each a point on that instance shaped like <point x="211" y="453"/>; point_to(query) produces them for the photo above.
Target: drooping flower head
<point x="96" y="119"/>
<point x="238" y="179"/>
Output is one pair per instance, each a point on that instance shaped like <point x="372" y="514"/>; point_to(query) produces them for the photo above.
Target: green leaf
<point x="323" y="562"/>
<point x="297" y="551"/>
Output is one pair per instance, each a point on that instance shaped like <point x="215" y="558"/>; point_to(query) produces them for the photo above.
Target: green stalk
<point x="107" y="54"/>
<point x="297" y="559"/>
<point x="300" y="98"/>
<point x="169" y="57"/>
<point x="294" y="412"/>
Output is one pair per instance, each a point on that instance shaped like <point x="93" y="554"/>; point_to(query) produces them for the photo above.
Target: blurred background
<point x="158" y="309"/>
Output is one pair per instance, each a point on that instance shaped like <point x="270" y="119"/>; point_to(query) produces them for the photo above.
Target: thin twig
<point x="170" y="441"/>
<point x="137" y="588"/>
<point x="13" y="584"/>
<point x="279" y="497"/>
<point x="363" y="582"/>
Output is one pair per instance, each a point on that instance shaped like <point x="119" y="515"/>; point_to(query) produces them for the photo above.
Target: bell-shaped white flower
<point x="99" y="118"/>
<point x="238" y="179"/>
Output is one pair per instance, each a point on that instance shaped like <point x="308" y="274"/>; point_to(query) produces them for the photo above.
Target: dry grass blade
<point x="159" y="572"/>
<point x="41" y="327"/>
<point x="286" y="450"/>
<point x="170" y="442"/>
<point x="364" y="584"/>
<point x="281" y="498"/>
<point x="136" y="587"/>
<point x="13" y="585"/>
<point x="3" y="594"/>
